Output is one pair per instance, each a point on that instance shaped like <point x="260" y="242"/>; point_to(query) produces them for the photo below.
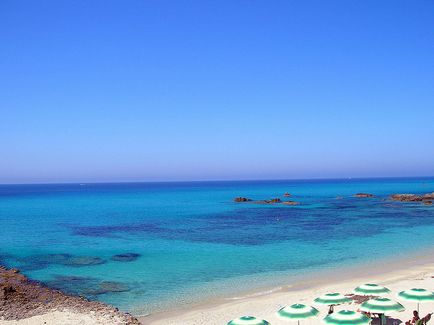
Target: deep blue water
<point x="194" y="241"/>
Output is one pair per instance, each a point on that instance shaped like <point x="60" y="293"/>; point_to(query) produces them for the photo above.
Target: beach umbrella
<point x="381" y="306"/>
<point x="332" y="299"/>
<point x="370" y="289"/>
<point x="297" y="312"/>
<point x="417" y="295"/>
<point x="347" y="317"/>
<point x="248" y="320"/>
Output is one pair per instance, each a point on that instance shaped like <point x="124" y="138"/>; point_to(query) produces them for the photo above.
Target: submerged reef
<point x="38" y="262"/>
<point x="126" y="257"/>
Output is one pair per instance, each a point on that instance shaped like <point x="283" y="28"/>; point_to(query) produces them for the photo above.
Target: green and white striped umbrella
<point x="332" y="299"/>
<point x="417" y="295"/>
<point x="370" y="289"/>
<point x="297" y="312"/>
<point x="381" y="306"/>
<point x="347" y="317"/>
<point x="248" y="320"/>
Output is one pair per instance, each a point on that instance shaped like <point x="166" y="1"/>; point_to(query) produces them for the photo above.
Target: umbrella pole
<point x="418" y="308"/>
<point x="298" y="322"/>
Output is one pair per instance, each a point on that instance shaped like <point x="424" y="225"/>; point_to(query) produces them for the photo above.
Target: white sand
<point x="409" y="275"/>
<point x="65" y="318"/>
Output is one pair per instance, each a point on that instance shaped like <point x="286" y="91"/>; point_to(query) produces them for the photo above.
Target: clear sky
<point x="192" y="90"/>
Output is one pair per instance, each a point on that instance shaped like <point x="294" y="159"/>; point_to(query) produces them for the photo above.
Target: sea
<point x="151" y="247"/>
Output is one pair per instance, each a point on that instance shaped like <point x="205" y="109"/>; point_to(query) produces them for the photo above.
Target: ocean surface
<point x="188" y="241"/>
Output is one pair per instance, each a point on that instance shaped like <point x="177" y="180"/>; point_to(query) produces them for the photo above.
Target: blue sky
<point x="194" y="90"/>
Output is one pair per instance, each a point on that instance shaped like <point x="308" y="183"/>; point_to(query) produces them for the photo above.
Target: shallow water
<point x="193" y="241"/>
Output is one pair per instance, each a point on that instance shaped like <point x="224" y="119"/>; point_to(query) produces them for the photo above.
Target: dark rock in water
<point x="74" y="285"/>
<point x="79" y="261"/>
<point x="290" y="203"/>
<point x="427" y="202"/>
<point x="363" y="195"/>
<point x="85" y="286"/>
<point x="38" y="262"/>
<point x="406" y="197"/>
<point x="277" y="200"/>
<point x="242" y="199"/>
<point x="428" y="196"/>
<point x="126" y="257"/>
<point x="286" y="194"/>
<point x="110" y="286"/>
<point x="412" y="197"/>
<point x="106" y="287"/>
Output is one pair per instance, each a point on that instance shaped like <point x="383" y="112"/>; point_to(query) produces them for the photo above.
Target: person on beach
<point x="424" y="320"/>
<point x="331" y="309"/>
<point x="414" y="319"/>
<point x="417" y="320"/>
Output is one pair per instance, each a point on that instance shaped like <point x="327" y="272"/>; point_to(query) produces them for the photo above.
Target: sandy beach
<point x="397" y="275"/>
<point x="67" y="317"/>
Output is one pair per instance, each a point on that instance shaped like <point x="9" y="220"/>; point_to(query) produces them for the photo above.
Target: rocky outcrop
<point x="271" y="201"/>
<point x="406" y="197"/>
<point x="290" y="203"/>
<point x="22" y="298"/>
<point x="287" y="194"/>
<point x="427" y="202"/>
<point x="242" y="199"/>
<point x="364" y="195"/>
<point x="413" y="197"/>
<point x="428" y="196"/>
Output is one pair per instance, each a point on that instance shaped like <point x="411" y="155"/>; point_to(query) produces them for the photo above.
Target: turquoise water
<point x="193" y="241"/>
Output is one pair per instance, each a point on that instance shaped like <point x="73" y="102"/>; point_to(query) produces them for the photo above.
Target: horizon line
<point x="221" y="180"/>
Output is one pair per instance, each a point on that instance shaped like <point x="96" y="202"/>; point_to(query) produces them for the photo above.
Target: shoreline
<point x="389" y="271"/>
<point x="398" y="273"/>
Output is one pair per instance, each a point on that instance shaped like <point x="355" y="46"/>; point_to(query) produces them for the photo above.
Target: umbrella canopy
<point x="347" y="317"/>
<point x="381" y="306"/>
<point x="297" y="312"/>
<point x="370" y="289"/>
<point x="248" y="320"/>
<point x="332" y="299"/>
<point x="417" y="295"/>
